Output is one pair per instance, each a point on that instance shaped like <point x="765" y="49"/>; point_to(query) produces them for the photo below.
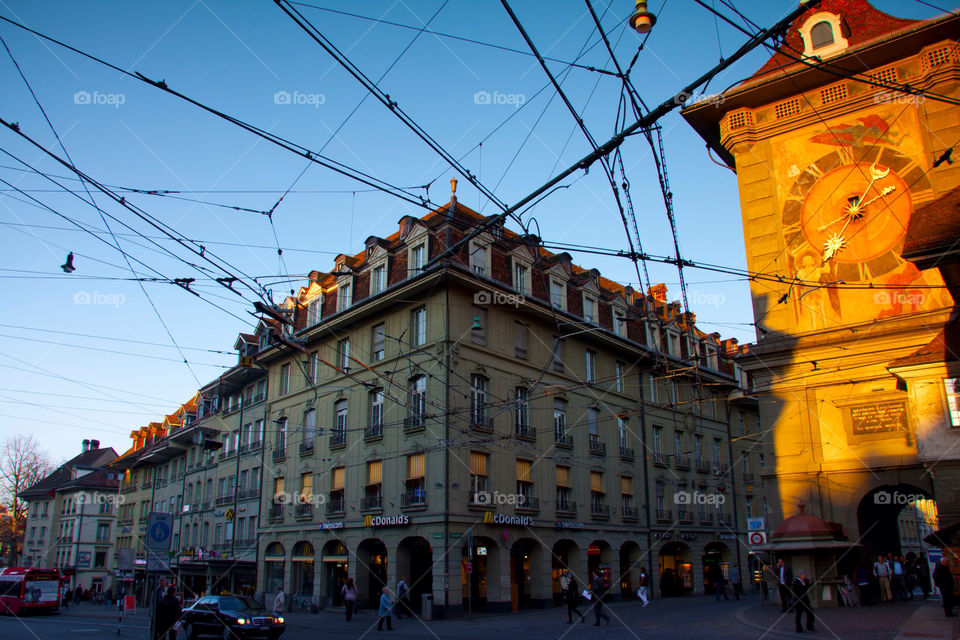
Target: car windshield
<point x="238" y="603"/>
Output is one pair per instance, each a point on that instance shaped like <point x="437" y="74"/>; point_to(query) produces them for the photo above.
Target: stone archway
<point x="336" y="564"/>
<point x="676" y="569"/>
<point x="564" y="555"/>
<point x="716" y="563"/>
<point x="415" y="563"/>
<point x="631" y="560"/>
<point x="480" y="587"/>
<point x="600" y="560"/>
<point x="877" y="517"/>
<point x="302" y="565"/>
<point x="274" y="561"/>
<point x="525" y="558"/>
<point x="371" y="570"/>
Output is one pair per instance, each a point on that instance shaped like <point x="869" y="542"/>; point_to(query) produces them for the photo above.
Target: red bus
<point x="24" y="589"/>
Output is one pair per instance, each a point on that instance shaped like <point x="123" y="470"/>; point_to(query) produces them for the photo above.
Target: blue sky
<point x="61" y="379"/>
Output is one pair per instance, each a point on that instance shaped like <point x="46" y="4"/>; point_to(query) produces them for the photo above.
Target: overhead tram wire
<point x="317" y="36"/>
<point x="333" y="165"/>
<point x="665" y="107"/>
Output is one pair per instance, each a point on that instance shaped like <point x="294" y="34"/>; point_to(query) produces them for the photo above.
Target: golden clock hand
<point x="875" y="174"/>
<point x="845" y="216"/>
<point x="885" y="192"/>
<point x="836" y="242"/>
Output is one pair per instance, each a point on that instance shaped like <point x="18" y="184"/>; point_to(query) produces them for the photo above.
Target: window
<point x="418" y="401"/>
<point x="313" y="368"/>
<point x="598" y="494"/>
<point x="377" y="351"/>
<point x="375" y="427"/>
<point x="743" y="426"/>
<point x="478" y="330"/>
<point x="563" y="489"/>
<point x="378" y="279"/>
<point x="623" y="431"/>
<point x="344" y="296"/>
<point x="556" y="294"/>
<point x="619" y="323"/>
<point x="281" y="434"/>
<point x="521" y="411"/>
<point x="100" y="559"/>
<point x="658" y="444"/>
<point x="952" y="388"/>
<point x="652" y="389"/>
<point x="418" y="257"/>
<point x="678" y="443"/>
<point x="560" y="420"/>
<point x="520" y="334"/>
<point x="306" y="488"/>
<point x="103" y="532"/>
<point x="618" y="377"/>
<point x="698" y="448"/>
<point x="372" y="498"/>
<point x="717" y="457"/>
<point x="285" y="379"/>
<point x="524" y="484"/>
<point x="520" y="277"/>
<point x="626" y="496"/>
<point x="478" y="259"/>
<point x="590" y="309"/>
<point x="336" y="490"/>
<point x="278" y="494"/>
<point x="478" y="402"/>
<point x="340" y="418"/>
<point x="343" y="354"/>
<point x="479" y="481"/>
<point x="821" y="35"/>
<point x="557" y="355"/>
<point x="418" y="326"/>
<point x="673" y="344"/>
<point x="309" y="428"/>
<point x="314" y="310"/>
<point x="591" y="365"/>
<point x="255" y="479"/>
<point x="593" y="429"/>
<point x="416" y="489"/>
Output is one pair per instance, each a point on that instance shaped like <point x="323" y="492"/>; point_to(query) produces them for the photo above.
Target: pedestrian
<point x="882" y="571"/>
<point x="385" y="608"/>
<point x="735" y="581"/>
<point x="784" y="582"/>
<point x="863" y="580"/>
<point x="922" y="572"/>
<point x="108" y="598"/>
<point x="943" y="579"/>
<point x="564" y="584"/>
<point x="898" y="576"/>
<point x="801" y="601"/>
<point x="168" y="614"/>
<point x="596" y="595"/>
<point x="572" y="595"/>
<point x="402" y="591"/>
<point x="644" y="586"/>
<point x="349" y="594"/>
<point x="157" y="631"/>
<point x="77" y="593"/>
<point x="65" y="596"/>
<point x="279" y="602"/>
<point x="719" y="582"/>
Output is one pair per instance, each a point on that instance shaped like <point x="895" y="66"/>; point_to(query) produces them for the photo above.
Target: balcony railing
<point x="684" y="516"/>
<point x="227" y="454"/>
<point x="664" y="515"/>
<point x="525" y="431"/>
<point x="414" y="498"/>
<point x="566" y="506"/>
<point x="225" y="499"/>
<point x="245" y="493"/>
<point x="629" y="513"/>
<point x="306" y="448"/>
<point x="128" y="488"/>
<point x="275" y="513"/>
<point x="373" y="432"/>
<point x="338" y="439"/>
<point x="334" y="506"/>
<point x="303" y="511"/>
<point x="725" y="518"/>
<point x="720" y="468"/>
<point x="626" y="453"/>
<point x="246" y="542"/>
<point x="681" y="462"/>
<point x="705" y="518"/>
<point x="658" y="459"/>
<point x="599" y="510"/>
<point x="484" y="424"/>
<point x="279" y="454"/>
<point x="414" y="423"/>
<point x="748" y="477"/>
<point x="146" y="484"/>
<point x="478" y="497"/>
<point x="703" y="466"/>
<point x="596" y="446"/>
<point x="372" y="503"/>
<point x="563" y="440"/>
<point x="529" y="503"/>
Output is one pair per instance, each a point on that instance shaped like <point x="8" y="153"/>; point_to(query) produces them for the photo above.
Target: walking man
<point x="881" y="569"/>
<point x="801" y="601"/>
<point x="735" y="581"/>
<point x="572" y="595"/>
<point x="279" y="602"/>
<point x="597" y="591"/>
<point x="644" y="586"/>
<point x="402" y="605"/>
<point x="784" y="582"/>
<point x="719" y="582"/>
<point x="943" y="579"/>
<point x="385" y="608"/>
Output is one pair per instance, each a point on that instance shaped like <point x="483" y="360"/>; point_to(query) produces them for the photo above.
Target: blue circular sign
<point x="160" y="531"/>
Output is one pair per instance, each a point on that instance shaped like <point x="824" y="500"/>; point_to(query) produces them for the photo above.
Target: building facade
<point x="833" y="158"/>
<point x="477" y="424"/>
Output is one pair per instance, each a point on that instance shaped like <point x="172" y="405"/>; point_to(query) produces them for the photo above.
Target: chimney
<point x="94" y="444"/>
<point x="453" y="197"/>
<point x="85" y="447"/>
<point x="658" y="292"/>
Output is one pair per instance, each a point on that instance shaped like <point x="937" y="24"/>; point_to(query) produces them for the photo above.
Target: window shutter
<point x="626" y="485"/>
<point x="415" y="466"/>
<point x="338" y="474"/>
<point x="523" y="470"/>
<point x="596" y="481"/>
<point x="373" y="472"/>
<point x="563" y="476"/>
<point x="478" y="463"/>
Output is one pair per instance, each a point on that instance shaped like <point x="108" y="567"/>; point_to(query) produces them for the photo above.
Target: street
<point x="687" y="618"/>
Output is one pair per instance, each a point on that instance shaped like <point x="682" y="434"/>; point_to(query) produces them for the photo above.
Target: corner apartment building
<point x="481" y="423"/>
<point x="202" y="465"/>
<point x="70" y="524"/>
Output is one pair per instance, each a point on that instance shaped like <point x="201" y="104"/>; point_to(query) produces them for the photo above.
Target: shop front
<point x="336" y="563"/>
<point x="675" y="562"/>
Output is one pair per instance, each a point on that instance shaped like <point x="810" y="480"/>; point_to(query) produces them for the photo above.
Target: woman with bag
<point x="573" y="599"/>
<point x="349" y="593"/>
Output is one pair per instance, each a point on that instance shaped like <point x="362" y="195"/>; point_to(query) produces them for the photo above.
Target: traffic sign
<point x="159" y="531"/>
<point x="756" y="524"/>
<point x="757" y="537"/>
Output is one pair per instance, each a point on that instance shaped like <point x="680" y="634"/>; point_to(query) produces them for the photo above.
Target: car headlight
<point x="242" y="621"/>
<point x="278" y="620"/>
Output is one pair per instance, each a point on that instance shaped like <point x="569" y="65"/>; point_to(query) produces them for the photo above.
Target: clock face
<point x="857" y="212"/>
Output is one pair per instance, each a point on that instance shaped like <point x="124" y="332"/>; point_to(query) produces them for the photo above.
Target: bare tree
<point x="23" y="463"/>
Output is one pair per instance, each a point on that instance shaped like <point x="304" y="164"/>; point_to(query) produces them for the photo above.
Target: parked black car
<point x="230" y="618"/>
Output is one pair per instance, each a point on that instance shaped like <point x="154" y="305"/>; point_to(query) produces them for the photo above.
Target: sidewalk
<point x="910" y="620"/>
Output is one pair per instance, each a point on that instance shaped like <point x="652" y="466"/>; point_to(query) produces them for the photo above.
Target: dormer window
<point x="823" y="35"/>
<point x="558" y="294"/>
<point x="378" y="279"/>
<point x="478" y="259"/>
<point x="314" y="311"/>
<point x="590" y="309"/>
<point x="344" y="296"/>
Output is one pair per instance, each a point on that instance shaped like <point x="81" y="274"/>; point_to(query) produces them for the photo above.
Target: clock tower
<point x="835" y="142"/>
